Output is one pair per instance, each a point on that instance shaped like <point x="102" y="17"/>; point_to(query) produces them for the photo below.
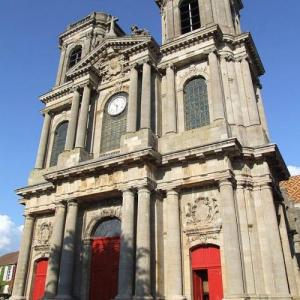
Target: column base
<point x="123" y="298"/>
<point x="149" y="297"/>
<point x="176" y="297"/>
<point x="64" y="297"/>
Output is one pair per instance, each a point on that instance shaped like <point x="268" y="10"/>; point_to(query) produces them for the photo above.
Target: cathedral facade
<point x="155" y="177"/>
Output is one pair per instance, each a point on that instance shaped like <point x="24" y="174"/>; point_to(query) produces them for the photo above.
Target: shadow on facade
<point x="135" y="265"/>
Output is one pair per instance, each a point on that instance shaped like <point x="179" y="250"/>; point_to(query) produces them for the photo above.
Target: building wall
<point x="173" y="189"/>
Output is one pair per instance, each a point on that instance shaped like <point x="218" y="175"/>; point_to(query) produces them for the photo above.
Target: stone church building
<point x="155" y="177"/>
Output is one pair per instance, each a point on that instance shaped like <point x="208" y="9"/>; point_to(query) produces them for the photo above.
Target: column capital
<point x="29" y="216"/>
<point x="60" y="204"/>
<point x="171" y="66"/>
<point x="225" y="181"/>
<point x="172" y="192"/>
<point x="72" y="202"/>
<point x="75" y="88"/>
<point x="87" y="242"/>
<point x="144" y="189"/>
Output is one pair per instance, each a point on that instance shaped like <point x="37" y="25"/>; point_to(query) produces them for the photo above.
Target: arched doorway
<point x="105" y="260"/>
<point x="39" y="280"/>
<point x="207" y="274"/>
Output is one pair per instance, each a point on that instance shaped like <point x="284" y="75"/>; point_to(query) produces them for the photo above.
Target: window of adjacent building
<point x="6" y="289"/>
<point x="196" y="108"/>
<point x="75" y="56"/>
<point x="114" y="122"/>
<point x="189" y="15"/>
<point x="59" y="142"/>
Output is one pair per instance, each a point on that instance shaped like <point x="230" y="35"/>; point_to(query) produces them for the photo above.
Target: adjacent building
<point x="155" y="176"/>
<point x="291" y="192"/>
<point x="8" y="264"/>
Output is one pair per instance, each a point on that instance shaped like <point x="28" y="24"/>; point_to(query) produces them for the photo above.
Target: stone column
<point x="23" y="260"/>
<point x="174" y="263"/>
<point x="235" y="95"/>
<point x="229" y="15"/>
<point x="143" y="249"/>
<point x="232" y="255"/>
<point x="146" y="97"/>
<point x="40" y="158"/>
<point x="85" y="271"/>
<point x="126" y="265"/>
<point x="83" y="117"/>
<point x="71" y="134"/>
<point x="132" y="101"/>
<point x="169" y="21"/>
<point x="55" y="252"/>
<point x="67" y="258"/>
<point x="270" y="217"/>
<point x="61" y="64"/>
<point x="250" y="93"/>
<point x="216" y="87"/>
<point x="171" y="101"/>
<point x="243" y="217"/>
<point x="287" y="254"/>
<point x="263" y="242"/>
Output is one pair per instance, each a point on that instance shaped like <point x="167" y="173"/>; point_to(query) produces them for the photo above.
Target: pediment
<point x="110" y="52"/>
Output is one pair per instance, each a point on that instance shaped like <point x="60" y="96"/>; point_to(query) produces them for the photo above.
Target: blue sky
<point x="29" y="58"/>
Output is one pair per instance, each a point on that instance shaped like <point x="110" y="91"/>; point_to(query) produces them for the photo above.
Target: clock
<point x="117" y="105"/>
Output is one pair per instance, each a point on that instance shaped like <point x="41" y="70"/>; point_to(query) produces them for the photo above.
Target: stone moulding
<point x="204" y="235"/>
<point x="100" y="214"/>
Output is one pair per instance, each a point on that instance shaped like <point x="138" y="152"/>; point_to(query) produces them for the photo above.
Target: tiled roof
<point x="292" y="187"/>
<point x="9" y="259"/>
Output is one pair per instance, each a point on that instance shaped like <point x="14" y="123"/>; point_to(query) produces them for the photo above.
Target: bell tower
<point x="182" y="16"/>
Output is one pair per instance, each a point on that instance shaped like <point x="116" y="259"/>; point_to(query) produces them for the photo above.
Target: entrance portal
<point x="207" y="275"/>
<point x="39" y="279"/>
<point x="105" y="260"/>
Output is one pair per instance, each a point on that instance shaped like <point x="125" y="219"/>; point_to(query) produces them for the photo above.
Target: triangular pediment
<point x="110" y="48"/>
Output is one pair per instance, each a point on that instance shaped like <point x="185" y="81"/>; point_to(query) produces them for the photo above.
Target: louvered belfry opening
<point x="75" y="56"/>
<point x="189" y="15"/>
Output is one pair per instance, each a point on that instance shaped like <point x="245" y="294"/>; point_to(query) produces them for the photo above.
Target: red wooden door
<point x="105" y="268"/>
<point x="207" y="275"/>
<point x="39" y="279"/>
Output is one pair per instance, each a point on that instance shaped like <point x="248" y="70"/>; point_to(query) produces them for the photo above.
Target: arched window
<point x="189" y="15"/>
<point x="75" y="56"/>
<point x="114" y="122"/>
<point x="196" y="108"/>
<point x="59" y="142"/>
<point x="108" y="228"/>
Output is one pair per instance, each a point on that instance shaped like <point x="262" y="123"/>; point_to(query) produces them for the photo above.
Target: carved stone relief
<point x="193" y="71"/>
<point x="42" y="237"/>
<point x="201" y="217"/>
<point x="94" y="215"/>
<point x="202" y="211"/>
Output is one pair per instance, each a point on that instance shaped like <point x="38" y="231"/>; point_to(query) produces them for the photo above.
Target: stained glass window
<point x="189" y="15"/>
<point x="59" y="142"/>
<point x="108" y="228"/>
<point x="196" y="108"/>
<point x="113" y="127"/>
<point x="75" y="56"/>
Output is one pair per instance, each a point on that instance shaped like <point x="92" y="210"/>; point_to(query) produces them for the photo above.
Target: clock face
<point x="117" y="105"/>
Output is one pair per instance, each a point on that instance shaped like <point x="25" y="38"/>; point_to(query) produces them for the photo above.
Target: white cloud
<point x="294" y="170"/>
<point x="10" y="235"/>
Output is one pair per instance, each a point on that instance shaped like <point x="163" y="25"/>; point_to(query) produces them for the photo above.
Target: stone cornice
<point x="99" y="164"/>
<point x="127" y="44"/>
<point x="231" y="146"/>
<point x="56" y="93"/>
<point x="246" y="38"/>
<point x="33" y="189"/>
<point x="192" y="38"/>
